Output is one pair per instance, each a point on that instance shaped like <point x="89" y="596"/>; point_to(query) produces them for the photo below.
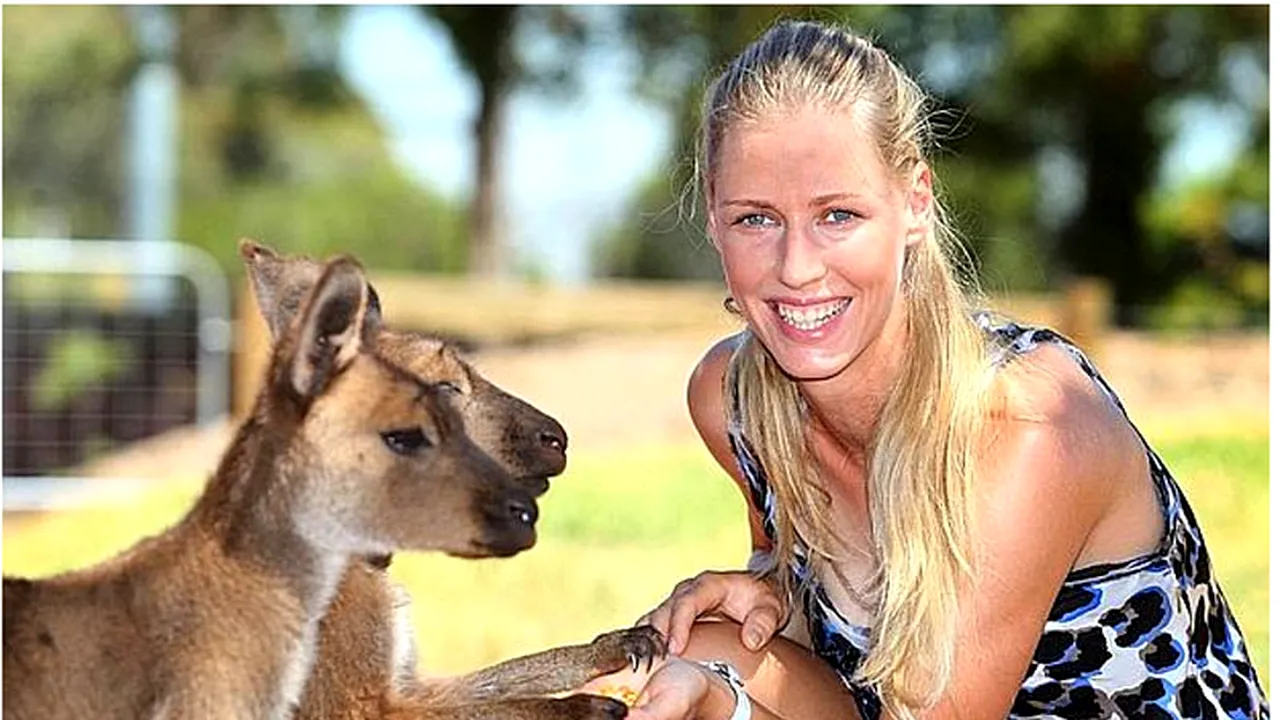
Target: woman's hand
<point x="675" y="689"/>
<point x="738" y="596"/>
<point x="679" y="690"/>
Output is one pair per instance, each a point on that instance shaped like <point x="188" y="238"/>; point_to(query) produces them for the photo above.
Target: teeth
<point x="811" y="317"/>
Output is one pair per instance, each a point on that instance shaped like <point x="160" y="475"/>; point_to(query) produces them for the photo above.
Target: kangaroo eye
<point x="405" y="442"/>
<point x="449" y="387"/>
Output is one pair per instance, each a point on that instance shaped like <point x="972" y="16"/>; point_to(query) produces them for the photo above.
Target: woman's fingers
<point x="661" y="617"/>
<point x="734" y="595"/>
<point x="702" y="595"/>
<point x="760" y="625"/>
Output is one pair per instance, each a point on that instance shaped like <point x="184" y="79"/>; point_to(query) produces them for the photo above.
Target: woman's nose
<point x="802" y="261"/>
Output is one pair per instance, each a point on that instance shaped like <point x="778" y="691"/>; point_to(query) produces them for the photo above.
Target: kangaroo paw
<point x="633" y="647"/>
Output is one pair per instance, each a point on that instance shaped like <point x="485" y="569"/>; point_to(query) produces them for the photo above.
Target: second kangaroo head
<point x="374" y="458"/>
<point x="525" y="441"/>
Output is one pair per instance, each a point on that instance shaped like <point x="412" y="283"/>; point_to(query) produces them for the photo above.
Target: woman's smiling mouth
<point x="810" y="316"/>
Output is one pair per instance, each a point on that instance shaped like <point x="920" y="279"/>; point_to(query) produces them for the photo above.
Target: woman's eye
<point x="405" y="442"/>
<point x="754" y="220"/>
<point x="840" y="217"/>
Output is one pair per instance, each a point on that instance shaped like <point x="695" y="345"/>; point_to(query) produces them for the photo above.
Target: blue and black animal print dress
<point x="1149" y="638"/>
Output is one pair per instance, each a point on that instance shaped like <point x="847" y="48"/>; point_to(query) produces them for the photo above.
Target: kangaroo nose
<point x="552" y="434"/>
<point x="554" y="440"/>
<point x="523" y="510"/>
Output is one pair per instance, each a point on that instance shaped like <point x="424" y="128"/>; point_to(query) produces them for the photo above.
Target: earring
<point x="731" y="305"/>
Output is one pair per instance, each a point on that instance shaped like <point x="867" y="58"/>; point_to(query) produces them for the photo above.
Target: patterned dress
<point x="1149" y="638"/>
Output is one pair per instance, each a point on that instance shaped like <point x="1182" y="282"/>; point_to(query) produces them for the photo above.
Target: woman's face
<point x="812" y="230"/>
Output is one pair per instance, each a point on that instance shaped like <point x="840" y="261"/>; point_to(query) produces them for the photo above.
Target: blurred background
<point x="516" y="179"/>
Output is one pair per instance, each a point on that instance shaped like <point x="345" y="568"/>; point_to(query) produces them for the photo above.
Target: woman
<point x="955" y="509"/>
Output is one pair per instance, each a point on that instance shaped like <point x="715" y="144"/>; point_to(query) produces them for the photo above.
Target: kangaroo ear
<point x="267" y="276"/>
<point x="281" y="285"/>
<point x="330" y="331"/>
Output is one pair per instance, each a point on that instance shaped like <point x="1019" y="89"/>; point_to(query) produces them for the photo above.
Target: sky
<point x="568" y="168"/>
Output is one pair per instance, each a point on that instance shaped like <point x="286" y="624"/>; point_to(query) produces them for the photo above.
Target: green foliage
<point x="1192" y="227"/>
<point x="274" y="145"/>
<point x="992" y="207"/>
<point x="300" y="166"/>
<point x="65" y="74"/>
<point x="377" y="216"/>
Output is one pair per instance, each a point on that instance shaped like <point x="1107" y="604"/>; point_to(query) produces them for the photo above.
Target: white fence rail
<point x="106" y="342"/>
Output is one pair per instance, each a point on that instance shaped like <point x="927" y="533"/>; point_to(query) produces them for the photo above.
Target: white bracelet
<point x="741" y="703"/>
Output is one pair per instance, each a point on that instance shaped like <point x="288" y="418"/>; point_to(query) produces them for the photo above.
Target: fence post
<point x="1086" y="312"/>
<point x="253" y="345"/>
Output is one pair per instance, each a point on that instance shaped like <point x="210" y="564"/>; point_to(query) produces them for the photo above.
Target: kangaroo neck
<point x="245" y="539"/>
<point x="248" y="511"/>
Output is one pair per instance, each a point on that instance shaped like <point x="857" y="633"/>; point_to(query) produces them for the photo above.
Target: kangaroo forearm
<point x="574" y="707"/>
<point x="554" y="671"/>
<point x="551" y="671"/>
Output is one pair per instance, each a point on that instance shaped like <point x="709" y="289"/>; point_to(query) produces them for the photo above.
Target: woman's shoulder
<point x="1058" y="436"/>
<point x="710" y="413"/>
<point x="707" y="403"/>
<point x="1045" y="407"/>
<point x="1048" y="391"/>
<point x="705" y="393"/>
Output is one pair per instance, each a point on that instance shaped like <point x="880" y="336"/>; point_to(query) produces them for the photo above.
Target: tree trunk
<point x="1106" y="239"/>
<point x="488" y="252"/>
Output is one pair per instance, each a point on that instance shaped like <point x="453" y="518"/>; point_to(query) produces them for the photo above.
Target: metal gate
<point x="106" y="342"/>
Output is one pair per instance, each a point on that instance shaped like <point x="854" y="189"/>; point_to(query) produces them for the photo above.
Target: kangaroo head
<point x="528" y="443"/>
<point x="379" y="458"/>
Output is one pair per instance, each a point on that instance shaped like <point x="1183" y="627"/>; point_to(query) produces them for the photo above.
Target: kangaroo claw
<point x="631" y="647"/>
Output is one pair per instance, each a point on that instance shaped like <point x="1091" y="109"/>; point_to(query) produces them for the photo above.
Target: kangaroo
<point x="344" y="454"/>
<point x="365" y="664"/>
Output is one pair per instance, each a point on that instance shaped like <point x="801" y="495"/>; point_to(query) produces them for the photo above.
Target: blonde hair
<point x="920" y="460"/>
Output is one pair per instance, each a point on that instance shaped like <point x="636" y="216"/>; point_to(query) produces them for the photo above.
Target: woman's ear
<point x="919" y="203"/>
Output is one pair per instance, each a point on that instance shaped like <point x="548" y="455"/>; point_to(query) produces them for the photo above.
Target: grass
<point x="619" y="529"/>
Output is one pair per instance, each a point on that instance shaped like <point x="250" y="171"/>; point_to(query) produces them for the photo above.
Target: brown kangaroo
<point x="365" y="664"/>
<point x="344" y="454"/>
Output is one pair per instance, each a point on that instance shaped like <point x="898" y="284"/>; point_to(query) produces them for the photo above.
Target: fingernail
<point x="754" y="639"/>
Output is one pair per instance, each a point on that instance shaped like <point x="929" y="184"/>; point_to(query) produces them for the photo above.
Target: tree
<point x="62" y="169"/>
<point x="274" y="144"/>
<point x="1101" y="80"/>
<point x="485" y="38"/>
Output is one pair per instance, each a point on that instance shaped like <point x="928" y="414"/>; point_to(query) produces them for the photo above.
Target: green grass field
<point x="619" y="529"/>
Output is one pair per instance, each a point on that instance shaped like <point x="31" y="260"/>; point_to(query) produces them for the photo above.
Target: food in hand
<point x="623" y="686"/>
<point x="621" y="693"/>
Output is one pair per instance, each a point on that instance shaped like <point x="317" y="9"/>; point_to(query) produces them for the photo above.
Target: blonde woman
<point x="955" y="511"/>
